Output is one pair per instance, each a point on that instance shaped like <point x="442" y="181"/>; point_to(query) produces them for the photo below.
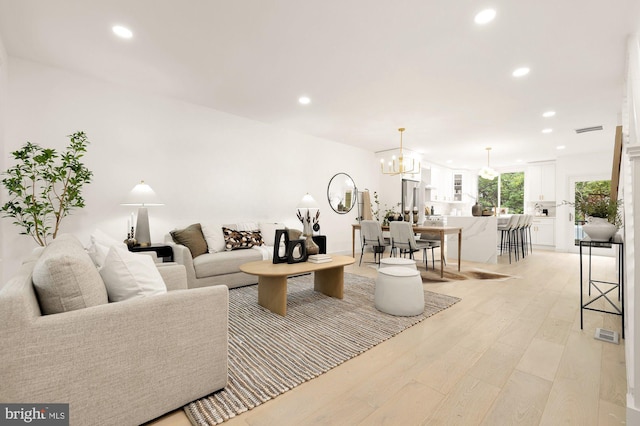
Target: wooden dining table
<point x="419" y="229"/>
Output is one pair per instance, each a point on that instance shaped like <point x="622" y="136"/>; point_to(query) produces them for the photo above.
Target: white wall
<point x="206" y="165"/>
<point x="3" y="101"/>
<point x="631" y="175"/>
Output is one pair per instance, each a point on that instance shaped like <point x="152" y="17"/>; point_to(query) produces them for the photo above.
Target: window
<point x="506" y="191"/>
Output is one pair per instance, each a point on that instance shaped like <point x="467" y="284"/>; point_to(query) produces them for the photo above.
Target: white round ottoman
<point x="397" y="261"/>
<point x="399" y="291"/>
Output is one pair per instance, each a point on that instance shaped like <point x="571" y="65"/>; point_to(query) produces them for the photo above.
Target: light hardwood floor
<point x="511" y="352"/>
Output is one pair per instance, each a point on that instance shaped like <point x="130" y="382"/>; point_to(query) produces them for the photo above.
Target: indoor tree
<point x="44" y="186"/>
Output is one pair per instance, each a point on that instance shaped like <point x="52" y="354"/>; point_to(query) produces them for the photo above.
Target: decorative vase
<point x="476" y="210"/>
<point x="599" y="229"/>
<point x="311" y="246"/>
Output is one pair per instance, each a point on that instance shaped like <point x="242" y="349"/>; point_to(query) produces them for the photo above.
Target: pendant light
<point x="397" y="167"/>
<point x="487" y="172"/>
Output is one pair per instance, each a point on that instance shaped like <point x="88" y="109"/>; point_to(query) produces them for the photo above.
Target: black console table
<point x="599" y="285"/>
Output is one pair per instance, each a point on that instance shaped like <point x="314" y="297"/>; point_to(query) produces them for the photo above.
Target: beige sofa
<point x="221" y="267"/>
<point x="121" y="363"/>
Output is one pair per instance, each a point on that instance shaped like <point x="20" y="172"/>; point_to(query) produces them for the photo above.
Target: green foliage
<point x="44" y="186"/>
<point x="487" y="193"/>
<point x="593" y="199"/>
<point x="512" y="192"/>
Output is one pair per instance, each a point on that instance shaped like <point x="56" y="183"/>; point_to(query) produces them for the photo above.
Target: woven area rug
<point x="270" y="354"/>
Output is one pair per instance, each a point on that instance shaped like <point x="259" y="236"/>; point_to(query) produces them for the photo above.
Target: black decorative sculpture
<point x="280" y="234"/>
<point x="291" y="246"/>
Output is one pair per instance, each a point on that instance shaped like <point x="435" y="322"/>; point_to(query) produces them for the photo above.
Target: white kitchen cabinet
<point x="439" y="186"/>
<point x="543" y="232"/>
<point x="540" y="181"/>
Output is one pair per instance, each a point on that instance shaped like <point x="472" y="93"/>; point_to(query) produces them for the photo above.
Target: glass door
<point x="581" y="186"/>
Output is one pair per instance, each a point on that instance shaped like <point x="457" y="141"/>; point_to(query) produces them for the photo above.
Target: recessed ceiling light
<point x="549" y="114"/>
<point x="519" y="160"/>
<point x="521" y="72"/>
<point x="121" y="31"/>
<point x="547" y="130"/>
<point x="304" y="100"/>
<point x="485" y="16"/>
<point x="449" y="161"/>
<point x="559" y="147"/>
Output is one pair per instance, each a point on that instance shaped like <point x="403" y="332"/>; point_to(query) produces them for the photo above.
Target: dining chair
<point x="433" y="240"/>
<point x="371" y="234"/>
<point x="404" y="240"/>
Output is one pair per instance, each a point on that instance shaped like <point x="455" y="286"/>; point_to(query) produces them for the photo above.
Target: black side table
<point x="321" y="241"/>
<point x="163" y="251"/>
<point x="600" y="285"/>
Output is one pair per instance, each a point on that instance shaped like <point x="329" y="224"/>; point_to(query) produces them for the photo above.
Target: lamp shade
<point x="307" y="202"/>
<point x="142" y="195"/>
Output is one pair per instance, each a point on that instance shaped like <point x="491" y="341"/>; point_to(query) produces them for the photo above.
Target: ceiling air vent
<point x="588" y="129"/>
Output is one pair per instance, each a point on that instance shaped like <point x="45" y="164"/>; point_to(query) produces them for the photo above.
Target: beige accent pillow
<point x="65" y="278"/>
<point x="191" y="237"/>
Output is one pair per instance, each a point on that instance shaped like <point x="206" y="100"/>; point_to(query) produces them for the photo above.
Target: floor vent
<point x="588" y="129"/>
<point x="606" y="335"/>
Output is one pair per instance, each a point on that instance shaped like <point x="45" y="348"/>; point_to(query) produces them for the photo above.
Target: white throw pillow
<point x="214" y="237"/>
<point x="129" y="275"/>
<point x="99" y="244"/>
<point x="247" y="226"/>
<point x="268" y="231"/>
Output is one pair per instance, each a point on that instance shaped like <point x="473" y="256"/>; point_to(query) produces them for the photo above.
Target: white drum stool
<point x="398" y="261"/>
<point x="399" y="291"/>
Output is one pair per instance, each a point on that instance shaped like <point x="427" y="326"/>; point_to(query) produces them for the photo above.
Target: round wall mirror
<point x="342" y="193"/>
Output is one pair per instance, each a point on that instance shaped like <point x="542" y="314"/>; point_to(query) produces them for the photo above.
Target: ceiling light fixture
<point x="485" y="16"/>
<point x="547" y="130"/>
<point x="521" y="72"/>
<point x="121" y="31"/>
<point x="549" y="114"/>
<point x="487" y="172"/>
<point x="304" y="100"/>
<point x="398" y="167"/>
<point x="560" y="147"/>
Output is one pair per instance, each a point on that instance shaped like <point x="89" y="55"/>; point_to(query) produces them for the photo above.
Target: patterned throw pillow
<point x="234" y="239"/>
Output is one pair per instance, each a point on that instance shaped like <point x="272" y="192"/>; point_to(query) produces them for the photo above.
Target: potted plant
<point x="602" y="215"/>
<point x="44" y="186"/>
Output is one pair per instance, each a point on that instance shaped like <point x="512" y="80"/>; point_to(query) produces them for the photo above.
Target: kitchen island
<point x="480" y="237"/>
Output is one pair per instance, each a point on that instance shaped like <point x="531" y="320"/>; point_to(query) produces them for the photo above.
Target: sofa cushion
<point x="225" y="262"/>
<point x="99" y="244"/>
<point x="235" y="240"/>
<point x="66" y="279"/>
<point x="213" y="236"/>
<point x="268" y="231"/>
<point x="191" y="237"/>
<point x="129" y="275"/>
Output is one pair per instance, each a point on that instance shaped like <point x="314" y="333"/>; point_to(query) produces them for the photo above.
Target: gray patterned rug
<point x="270" y="354"/>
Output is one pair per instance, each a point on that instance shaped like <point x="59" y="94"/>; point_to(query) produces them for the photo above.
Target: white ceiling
<point x="369" y="66"/>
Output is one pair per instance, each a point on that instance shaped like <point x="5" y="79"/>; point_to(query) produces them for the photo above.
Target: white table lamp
<point x="142" y="195"/>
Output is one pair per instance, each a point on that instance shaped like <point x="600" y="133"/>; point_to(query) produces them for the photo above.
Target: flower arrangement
<point x="309" y="222"/>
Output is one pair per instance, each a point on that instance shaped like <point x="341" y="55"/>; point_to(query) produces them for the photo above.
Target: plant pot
<point x="599" y="229"/>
